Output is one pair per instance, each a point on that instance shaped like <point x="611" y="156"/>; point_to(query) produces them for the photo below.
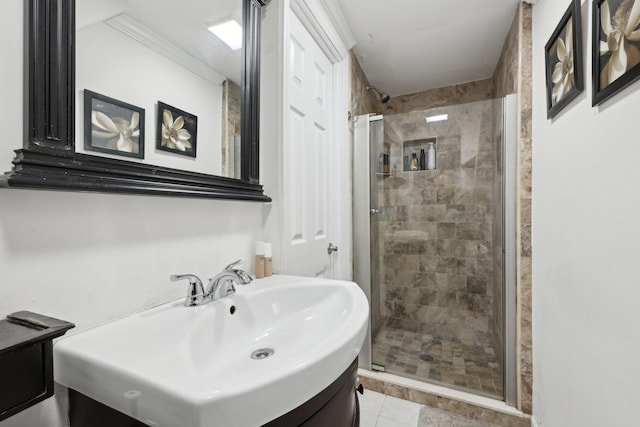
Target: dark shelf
<point x="26" y="359"/>
<point x="83" y="172"/>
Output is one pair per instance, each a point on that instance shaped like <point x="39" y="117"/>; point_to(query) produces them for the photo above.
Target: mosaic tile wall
<point x="525" y="153"/>
<point x="513" y="75"/>
<point x="436" y="226"/>
<point x="441" y="97"/>
<point x="231" y="111"/>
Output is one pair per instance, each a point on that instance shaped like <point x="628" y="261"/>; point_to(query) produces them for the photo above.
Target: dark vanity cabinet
<point x="335" y="406"/>
<point x="26" y="359"/>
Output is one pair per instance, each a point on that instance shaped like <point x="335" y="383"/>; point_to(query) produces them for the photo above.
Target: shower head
<point x="384" y="97"/>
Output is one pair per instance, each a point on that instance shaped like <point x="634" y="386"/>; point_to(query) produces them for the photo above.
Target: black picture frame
<point x="177" y="130"/>
<point x="563" y="61"/>
<point x="605" y="85"/>
<point x="113" y="126"/>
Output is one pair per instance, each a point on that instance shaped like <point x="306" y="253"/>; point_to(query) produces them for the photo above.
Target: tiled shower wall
<point x="231" y="111"/>
<point x="436" y="226"/>
<point x="512" y="75"/>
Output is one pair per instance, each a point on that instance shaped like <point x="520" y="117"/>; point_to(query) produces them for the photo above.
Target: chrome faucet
<point x="195" y="293"/>
<point x="219" y="286"/>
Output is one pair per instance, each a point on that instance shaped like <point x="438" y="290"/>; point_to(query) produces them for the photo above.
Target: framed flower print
<point x="563" y="61"/>
<point x="616" y="46"/>
<point x="112" y="126"/>
<point x="177" y="130"/>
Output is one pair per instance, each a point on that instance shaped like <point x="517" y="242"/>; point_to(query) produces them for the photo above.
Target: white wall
<point x="90" y="258"/>
<point x="586" y="236"/>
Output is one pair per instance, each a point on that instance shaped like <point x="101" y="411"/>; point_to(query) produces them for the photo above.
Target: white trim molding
<point x="146" y="36"/>
<point x="342" y="220"/>
<point x="534" y="422"/>
<point x="339" y="21"/>
<point x="327" y="25"/>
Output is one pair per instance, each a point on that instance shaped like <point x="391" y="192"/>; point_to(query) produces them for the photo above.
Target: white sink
<point x="191" y="367"/>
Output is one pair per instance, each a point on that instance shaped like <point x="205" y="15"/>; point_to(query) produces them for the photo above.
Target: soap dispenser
<point x="431" y="157"/>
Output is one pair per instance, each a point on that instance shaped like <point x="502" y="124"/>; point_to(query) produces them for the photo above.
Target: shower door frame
<point x="509" y="246"/>
<point x="362" y="228"/>
<point x="362" y="210"/>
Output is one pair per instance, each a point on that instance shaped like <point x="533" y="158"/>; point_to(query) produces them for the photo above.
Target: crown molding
<point x="327" y="25"/>
<point x="146" y="36"/>
<point x="339" y="21"/>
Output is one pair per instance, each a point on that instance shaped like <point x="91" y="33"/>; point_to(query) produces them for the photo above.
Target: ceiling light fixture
<point x="438" y="118"/>
<point x="229" y="32"/>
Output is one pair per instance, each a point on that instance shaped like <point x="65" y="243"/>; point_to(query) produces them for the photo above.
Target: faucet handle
<point x="244" y="277"/>
<point x="233" y="264"/>
<point x="195" y="293"/>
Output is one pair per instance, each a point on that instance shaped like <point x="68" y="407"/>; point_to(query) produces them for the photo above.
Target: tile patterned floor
<point x="412" y="354"/>
<point x="378" y="410"/>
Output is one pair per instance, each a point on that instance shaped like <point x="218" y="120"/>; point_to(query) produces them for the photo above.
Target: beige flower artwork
<point x="176" y="130"/>
<point x="621" y="36"/>
<point x="120" y="132"/>
<point x="174" y="135"/>
<point x="563" y="71"/>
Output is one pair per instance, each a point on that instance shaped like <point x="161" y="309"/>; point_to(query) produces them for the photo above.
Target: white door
<point x="307" y="150"/>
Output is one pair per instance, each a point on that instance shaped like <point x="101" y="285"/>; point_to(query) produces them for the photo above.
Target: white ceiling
<point x="406" y="46"/>
<point x="183" y="23"/>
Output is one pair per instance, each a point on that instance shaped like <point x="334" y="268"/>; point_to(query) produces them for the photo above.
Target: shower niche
<point x="418" y="149"/>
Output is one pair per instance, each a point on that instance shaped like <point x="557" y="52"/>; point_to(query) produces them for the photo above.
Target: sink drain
<point x="262" y="353"/>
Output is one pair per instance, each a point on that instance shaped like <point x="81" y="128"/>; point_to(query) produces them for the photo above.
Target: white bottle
<point x="431" y="157"/>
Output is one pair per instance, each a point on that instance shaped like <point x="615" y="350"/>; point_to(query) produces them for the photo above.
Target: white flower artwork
<point x="177" y="131"/>
<point x="119" y="131"/>
<point x="173" y="133"/>
<point x="621" y="31"/>
<point x="563" y="70"/>
<point x="564" y="61"/>
<point x="113" y="126"/>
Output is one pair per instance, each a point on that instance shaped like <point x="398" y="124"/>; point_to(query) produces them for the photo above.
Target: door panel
<point x="296" y="218"/>
<point x="307" y="181"/>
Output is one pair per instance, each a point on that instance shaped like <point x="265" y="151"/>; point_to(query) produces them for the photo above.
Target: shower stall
<point x="435" y="244"/>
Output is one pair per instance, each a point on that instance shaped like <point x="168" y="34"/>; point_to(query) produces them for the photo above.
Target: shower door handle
<point x="374" y="211"/>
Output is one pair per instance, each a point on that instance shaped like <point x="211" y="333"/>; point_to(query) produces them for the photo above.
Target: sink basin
<point x="192" y="367"/>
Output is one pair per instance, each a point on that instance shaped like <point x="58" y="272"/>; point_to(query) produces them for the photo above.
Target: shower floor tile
<point x="424" y="357"/>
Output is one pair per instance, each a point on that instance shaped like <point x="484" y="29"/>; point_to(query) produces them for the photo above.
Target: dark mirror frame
<point x="48" y="159"/>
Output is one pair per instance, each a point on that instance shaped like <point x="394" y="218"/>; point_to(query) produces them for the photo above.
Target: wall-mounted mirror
<point x="142" y="96"/>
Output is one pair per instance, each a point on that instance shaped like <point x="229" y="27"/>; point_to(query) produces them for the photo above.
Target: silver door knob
<point x="374" y="211"/>
<point x="332" y="248"/>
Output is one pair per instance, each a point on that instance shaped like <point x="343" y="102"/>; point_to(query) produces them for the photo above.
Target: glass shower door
<point x="436" y="246"/>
